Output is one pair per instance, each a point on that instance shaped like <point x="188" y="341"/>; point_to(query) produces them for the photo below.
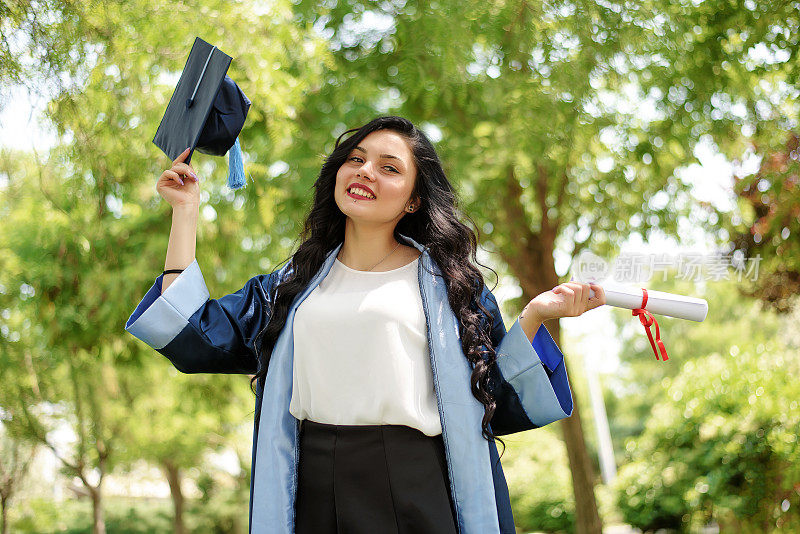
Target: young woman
<point x="382" y="366"/>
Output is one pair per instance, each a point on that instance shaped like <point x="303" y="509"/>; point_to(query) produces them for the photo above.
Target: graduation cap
<point x="206" y="112"/>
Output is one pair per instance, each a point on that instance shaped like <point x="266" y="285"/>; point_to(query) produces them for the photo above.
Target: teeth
<point x="361" y="192"/>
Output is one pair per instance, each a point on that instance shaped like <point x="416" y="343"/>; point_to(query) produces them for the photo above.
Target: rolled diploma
<point x="658" y="302"/>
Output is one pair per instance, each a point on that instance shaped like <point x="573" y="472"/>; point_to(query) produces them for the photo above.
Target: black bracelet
<point x="172" y="271"/>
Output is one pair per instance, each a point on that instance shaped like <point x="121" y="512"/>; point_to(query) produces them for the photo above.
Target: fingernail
<point x="181" y="181"/>
<point x="193" y="175"/>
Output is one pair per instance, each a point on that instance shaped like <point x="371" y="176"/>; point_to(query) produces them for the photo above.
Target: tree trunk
<point x="586" y="515"/>
<point x="531" y="261"/>
<point x="174" y="479"/>
<point x="99" y="524"/>
<point x="4" y="512"/>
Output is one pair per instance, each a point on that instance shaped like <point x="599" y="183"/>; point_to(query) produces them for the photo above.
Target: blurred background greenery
<point x="663" y="126"/>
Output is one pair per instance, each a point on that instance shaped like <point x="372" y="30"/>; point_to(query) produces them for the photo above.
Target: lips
<point x="362" y="186"/>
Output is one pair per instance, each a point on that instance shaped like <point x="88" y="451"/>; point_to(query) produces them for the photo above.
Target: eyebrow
<point x="387" y="156"/>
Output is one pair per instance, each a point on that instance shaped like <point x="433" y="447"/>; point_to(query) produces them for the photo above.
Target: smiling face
<point x="382" y="166"/>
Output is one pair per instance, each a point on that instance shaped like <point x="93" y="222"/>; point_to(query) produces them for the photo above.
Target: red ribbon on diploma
<point x="647" y="320"/>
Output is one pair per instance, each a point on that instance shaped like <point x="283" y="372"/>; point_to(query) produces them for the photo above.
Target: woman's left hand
<point x="569" y="299"/>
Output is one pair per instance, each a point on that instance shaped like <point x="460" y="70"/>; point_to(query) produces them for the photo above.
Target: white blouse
<point x="361" y="351"/>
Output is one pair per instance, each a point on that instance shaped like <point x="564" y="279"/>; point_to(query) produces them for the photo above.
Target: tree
<point x="722" y="446"/>
<point x="561" y="123"/>
<point x="52" y="264"/>
<point x="674" y="423"/>
<point x="181" y="419"/>
<point x="770" y="204"/>
<point x="734" y="322"/>
<point x="541" y="148"/>
<point x="728" y="73"/>
<point x="15" y="457"/>
<point x="79" y="228"/>
<point x="32" y="52"/>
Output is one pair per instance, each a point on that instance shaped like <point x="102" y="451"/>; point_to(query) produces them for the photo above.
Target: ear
<point x="414" y="204"/>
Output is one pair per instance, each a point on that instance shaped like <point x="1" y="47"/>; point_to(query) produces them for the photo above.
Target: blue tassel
<point x="236" y="179"/>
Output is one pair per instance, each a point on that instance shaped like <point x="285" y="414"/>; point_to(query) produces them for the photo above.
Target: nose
<point x="366" y="171"/>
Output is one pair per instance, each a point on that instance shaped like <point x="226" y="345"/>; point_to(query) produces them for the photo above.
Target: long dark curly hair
<point x="435" y="224"/>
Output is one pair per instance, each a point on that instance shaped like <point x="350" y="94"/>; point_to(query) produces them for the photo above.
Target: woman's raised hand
<point x="179" y="185"/>
<point x="570" y="299"/>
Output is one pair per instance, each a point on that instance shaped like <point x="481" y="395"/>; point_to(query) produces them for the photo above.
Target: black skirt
<point x="357" y="479"/>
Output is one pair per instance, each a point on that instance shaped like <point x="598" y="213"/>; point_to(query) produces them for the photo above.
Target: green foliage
<point x="722" y="445"/>
<point x="724" y="69"/>
<point x="522" y="95"/>
<point x="576" y="114"/>
<point x="123" y="516"/>
<point x="733" y="321"/>
<point x="30" y="50"/>
<point x="770" y="222"/>
<point x="78" y="236"/>
<point x="676" y="474"/>
<point x="535" y="466"/>
<point x="729" y="71"/>
<point x="220" y="509"/>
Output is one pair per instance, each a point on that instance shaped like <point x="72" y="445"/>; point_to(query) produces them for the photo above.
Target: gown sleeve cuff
<point x="160" y="317"/>
<point x="537" y="373"/>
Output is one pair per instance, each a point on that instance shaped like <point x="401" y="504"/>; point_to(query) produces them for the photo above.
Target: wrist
<point x="530" y="321"/>
<point x="186" y="209"/>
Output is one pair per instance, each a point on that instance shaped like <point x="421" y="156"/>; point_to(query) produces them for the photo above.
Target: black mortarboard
<point x="206" y="111"/>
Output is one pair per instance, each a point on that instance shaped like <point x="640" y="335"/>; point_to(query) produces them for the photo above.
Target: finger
<point x="599" y="294"/>
<point x="593" y="301"/>
<point x="599" y="297"/>
<point x="569" y="294"/>
<point x="182" y="156"/>
<point x="573" y="300"/>
<point x="584" y="297"/>
<point x="184" y="170"/>
<point x="174" y="176"/>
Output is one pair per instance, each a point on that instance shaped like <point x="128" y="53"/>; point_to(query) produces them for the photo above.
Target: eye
<point x="389" y="167"/>
<point x="356" y="159"/>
